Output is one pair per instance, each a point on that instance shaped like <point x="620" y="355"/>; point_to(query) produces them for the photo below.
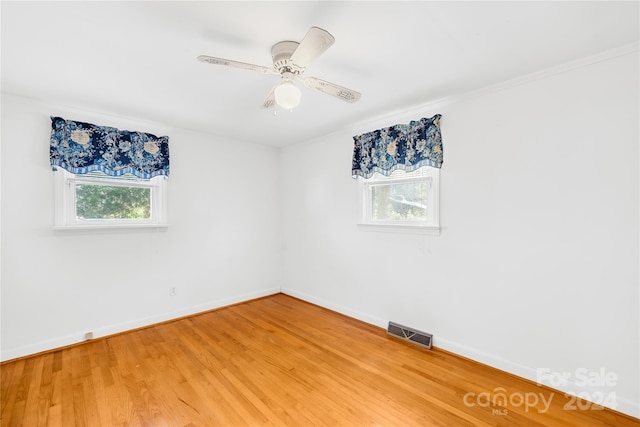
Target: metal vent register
<point x="409" y="334"/>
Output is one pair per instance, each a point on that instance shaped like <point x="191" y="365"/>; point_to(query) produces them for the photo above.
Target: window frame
<point x="65" y="202"/>
<point x="429" y="226"/>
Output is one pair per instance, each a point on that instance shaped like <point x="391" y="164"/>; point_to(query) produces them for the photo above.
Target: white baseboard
<point x="78" y="337"/>
<point x="620" y="403"/>
<point x="372" y="320"/>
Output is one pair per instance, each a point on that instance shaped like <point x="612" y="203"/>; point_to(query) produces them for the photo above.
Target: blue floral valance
<point x="83" y="147"/>
<point x="406" y="147"/>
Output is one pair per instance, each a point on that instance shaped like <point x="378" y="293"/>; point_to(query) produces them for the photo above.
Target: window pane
<point x="400" y="202"/>
<point x="112" y="202"/>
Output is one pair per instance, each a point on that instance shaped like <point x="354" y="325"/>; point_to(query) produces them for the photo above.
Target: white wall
<point x="221" y="247"/>
<point x="537" y="263"/>
<point x="536" y="267"/>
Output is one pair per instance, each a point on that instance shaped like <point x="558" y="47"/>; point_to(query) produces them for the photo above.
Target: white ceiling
<point x="138" y="59"/>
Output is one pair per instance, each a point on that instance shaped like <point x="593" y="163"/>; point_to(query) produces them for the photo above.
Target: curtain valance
<point x="404" y="146"/>
<point x="83" y="147"/>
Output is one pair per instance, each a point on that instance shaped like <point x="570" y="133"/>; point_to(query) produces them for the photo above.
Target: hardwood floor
<point x="273" y="361"/>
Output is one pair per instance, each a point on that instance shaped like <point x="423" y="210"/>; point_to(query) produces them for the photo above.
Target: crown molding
<point x="431" y="107"/>
<point x="557" y="69"/>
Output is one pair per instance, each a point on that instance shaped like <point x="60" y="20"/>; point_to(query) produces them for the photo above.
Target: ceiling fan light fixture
<point x="287" y="95"/>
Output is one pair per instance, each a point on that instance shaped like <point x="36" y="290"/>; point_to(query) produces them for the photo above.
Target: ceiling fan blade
<point x="270" y="100"/>
<point x="332" y="89"/>
<point x="315" y="42"/>
<point x="236" y="64"/>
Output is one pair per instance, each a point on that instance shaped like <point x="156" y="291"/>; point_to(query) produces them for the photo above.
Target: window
<point x="409" y="199"/>
<point x="96" y="200"/>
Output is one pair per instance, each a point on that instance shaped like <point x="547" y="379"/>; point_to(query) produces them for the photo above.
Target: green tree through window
<point x="405" y="201"/>
<point x="112" y="202"/>
<point x="401" y="198"/>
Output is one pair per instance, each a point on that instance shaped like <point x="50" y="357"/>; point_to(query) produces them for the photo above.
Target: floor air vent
<point x="420" y="338"/>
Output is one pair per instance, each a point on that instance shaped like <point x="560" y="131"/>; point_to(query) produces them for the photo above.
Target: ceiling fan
<point x="290" y="60"/>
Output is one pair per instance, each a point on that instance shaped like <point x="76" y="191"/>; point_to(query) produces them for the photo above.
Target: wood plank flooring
<point x="276" y="361"/>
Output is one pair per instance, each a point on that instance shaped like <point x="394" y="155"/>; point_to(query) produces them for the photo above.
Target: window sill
<point x="428" y="230"/>
<point x="107" y="226"/>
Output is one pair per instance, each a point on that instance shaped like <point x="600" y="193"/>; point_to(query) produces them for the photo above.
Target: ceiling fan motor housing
<point x="281" y="53"/>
